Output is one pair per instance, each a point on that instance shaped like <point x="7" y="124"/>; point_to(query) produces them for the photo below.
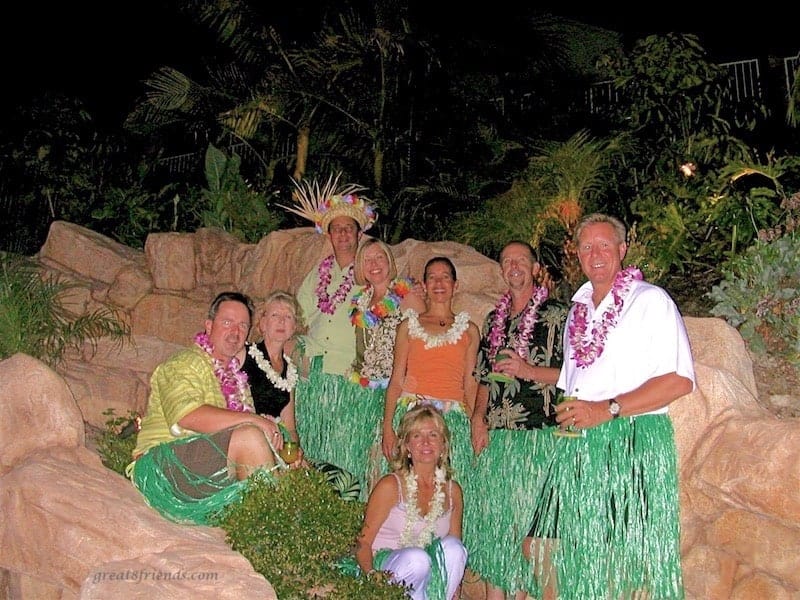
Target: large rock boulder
<point x="73" y="528"/>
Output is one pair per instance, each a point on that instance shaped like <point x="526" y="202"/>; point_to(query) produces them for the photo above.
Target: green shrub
<point x="233" y="205"/>
<point x="760" y="296"/>
<point x="293" y="530"/>
<point x="35" y="320"/>
<point x="116" y="442"/>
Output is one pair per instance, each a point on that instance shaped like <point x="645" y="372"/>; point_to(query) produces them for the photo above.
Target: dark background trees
<point x="475" y="129"/>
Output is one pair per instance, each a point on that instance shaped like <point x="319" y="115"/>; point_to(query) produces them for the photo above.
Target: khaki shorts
<point x="201" y="465"/>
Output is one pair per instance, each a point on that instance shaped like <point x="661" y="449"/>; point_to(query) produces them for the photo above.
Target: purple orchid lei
<point x="497" y="334"/>
<point x="232" y="381"/>
<point x="324" y="302"/>
<point x="586" y="351"/>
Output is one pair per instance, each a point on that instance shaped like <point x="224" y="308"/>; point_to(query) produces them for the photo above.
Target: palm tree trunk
<point x="377" y="168"/>
<point x="303" y="137"/>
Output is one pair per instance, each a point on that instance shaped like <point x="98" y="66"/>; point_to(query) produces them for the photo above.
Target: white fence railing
<point x="745" y="78"/>
<point x="601" y="95"/>
<point x="790" y="66"/>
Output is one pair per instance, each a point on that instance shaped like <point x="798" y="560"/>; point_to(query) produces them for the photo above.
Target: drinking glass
<point x="497" y="375"/>
<point x="570" y="430"/>
<point x="290" y="452"/>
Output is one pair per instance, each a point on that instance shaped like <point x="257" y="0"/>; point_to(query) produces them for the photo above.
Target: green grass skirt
<point x="154" y="475"/>
<point x="499" y="503"/>
<point x="610" y="499"/>
<point x="338" y="421"/>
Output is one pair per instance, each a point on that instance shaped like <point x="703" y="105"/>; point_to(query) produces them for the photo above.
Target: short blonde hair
<point x="289" y="300"/>
<point x="410" y="422"/>
<point x="619" y="227"/>
<point x="359" y="267"/>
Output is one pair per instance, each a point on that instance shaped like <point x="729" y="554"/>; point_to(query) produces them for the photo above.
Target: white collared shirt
<point x="648" y="340"/>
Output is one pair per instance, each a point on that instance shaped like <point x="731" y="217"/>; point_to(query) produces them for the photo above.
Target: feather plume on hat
<point x="321" y="205"/>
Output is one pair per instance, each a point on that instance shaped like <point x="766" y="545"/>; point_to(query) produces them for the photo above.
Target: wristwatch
<point x="613" y="408"/>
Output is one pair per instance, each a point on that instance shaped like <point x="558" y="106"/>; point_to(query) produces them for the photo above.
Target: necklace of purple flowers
<point x="232" y="381"/>
<point x="324" y="302"/>
<point x="497" y="334"/>
<point x="586" y="349"/>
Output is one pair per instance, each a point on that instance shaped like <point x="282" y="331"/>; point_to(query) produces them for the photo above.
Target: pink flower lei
<point x="497" y="334"/>
<point x="324" y="302"/>
<point x="585" y="350"/>
<point x="232" y="381"/>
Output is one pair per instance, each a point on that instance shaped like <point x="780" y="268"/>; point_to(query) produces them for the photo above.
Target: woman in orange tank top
<point x="434" y="358"/>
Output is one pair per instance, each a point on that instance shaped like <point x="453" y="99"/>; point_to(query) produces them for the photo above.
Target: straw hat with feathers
<point x="321" y="205"/>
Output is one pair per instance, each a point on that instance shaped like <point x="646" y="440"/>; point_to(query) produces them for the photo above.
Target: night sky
<point x="103" y="52"/>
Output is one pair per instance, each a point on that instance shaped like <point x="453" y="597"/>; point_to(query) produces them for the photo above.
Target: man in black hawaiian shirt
<point x="518" y="365"/>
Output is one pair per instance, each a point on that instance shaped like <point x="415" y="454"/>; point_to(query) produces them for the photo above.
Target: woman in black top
<point x="271" y="373"/>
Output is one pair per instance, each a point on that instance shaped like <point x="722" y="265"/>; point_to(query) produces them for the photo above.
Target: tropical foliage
<point x="430" y="124"/>
<point x="116" y="442"/>
<point x="38" y="316"/>
<point x="229" y="203"/>
<point x="294" y="529"/>
<point x="760" y="290"/>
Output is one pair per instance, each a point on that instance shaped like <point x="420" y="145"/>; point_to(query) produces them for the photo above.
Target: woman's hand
<point x="388" y="443"/>
<point x="300" y="461"/>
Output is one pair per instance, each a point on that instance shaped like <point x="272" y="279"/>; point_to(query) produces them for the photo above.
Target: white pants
<point x="412" y="567"/>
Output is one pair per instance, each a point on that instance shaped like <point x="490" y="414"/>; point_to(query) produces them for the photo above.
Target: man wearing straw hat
<point x="327" y="416"/>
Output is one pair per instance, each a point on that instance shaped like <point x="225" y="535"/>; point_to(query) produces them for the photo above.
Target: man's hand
<point x="510" y="363"/>
<point x="271" y="431"/>
<point x="480" y="434"/>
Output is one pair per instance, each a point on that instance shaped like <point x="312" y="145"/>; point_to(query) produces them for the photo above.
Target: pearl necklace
<point x="287" y="385"/>
<point x="451" y="336"/>
<point x="324" y="302"/>
<point x="436" y="510"/>
<point x="587" y="348"/>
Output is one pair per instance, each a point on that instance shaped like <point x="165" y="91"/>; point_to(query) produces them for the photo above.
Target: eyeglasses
<point x="343" y="229"/>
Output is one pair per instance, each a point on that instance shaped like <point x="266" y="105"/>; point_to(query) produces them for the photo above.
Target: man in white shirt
<point x="607" y="520"/>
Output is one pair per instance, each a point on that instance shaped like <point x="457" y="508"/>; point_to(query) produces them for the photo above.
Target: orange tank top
<point x="437" y="372"/>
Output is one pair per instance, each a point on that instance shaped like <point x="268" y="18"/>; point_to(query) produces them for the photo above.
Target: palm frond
<point x="344" y="483"/>
<point x="35" y="318"/>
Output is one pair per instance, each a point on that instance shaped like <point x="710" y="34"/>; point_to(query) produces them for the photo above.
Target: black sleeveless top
<point x="268" y="399"/>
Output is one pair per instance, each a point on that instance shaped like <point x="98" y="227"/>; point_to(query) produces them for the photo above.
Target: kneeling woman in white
<point x="412" y="522"/>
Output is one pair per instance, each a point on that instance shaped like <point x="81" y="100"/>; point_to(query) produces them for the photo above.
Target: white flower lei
<point x="287" y="385"/>
<point x="425" y="535"/>
<point x="415" y="330"/>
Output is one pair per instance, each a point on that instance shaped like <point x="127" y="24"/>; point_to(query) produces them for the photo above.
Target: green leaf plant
<point x="760" y="290"/>
<point x="293" y="528"/>
<point x="35" y="315"/>
<point x="231" y="204"/>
